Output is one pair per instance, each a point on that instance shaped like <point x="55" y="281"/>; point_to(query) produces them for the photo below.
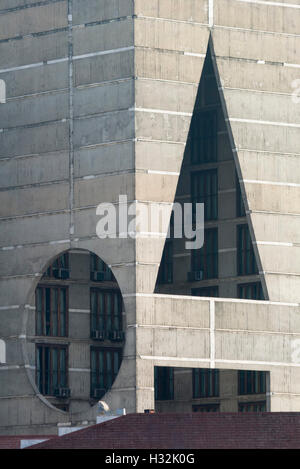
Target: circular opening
<point x="78" y="336"/>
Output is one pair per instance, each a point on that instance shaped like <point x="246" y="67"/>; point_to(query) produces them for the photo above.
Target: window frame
<point x="104" y="350"/>
<point x="51" y="287"/>
<point x="98" y="265"/>
<point x="208" y="144"/>
<point x="52" y="347"/>
<point x="248" y="380"/>
<point x="245" y="265"/>
<point x="207" y="178"/>
<point x="208" y="377"/>
<point x="252" y="285"/>
<point x="106" y="291"/>
<point x="162" y="393"/>
<point x="204" y="260"/>
<point x="249" y="404"/>
<point x="58" y="264"/>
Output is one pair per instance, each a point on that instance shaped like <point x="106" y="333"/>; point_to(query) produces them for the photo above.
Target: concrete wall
<point x="100" y="96"/>
<point x="187" y="332"/>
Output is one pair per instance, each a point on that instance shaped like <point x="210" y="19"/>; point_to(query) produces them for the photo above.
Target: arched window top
<point x="2" y="352"/>
<point x="2" y="92"/>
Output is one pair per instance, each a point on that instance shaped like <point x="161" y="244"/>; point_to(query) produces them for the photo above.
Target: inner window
<point x="246" y="258"/>
<point x="204" y="137"/>
<point x="205" y="383"/>
<point x="206" y="258"/>
<point x="105" y="364"/>
<point x="106" y="310"/>
<point x="59" y="269"/>
<point x="252" y="382"/>
<point x="251" y="291"/>
<point x="164" y="383"/>
<point x="99" y="270"/>
<point x="51" y="368"/>
<point x="205" y="191"/>
<point x="51" y="311"/>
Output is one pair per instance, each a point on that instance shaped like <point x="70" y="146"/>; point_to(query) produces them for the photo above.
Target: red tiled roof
<point x="187" y="431"/>
<point x="14" y="441"/>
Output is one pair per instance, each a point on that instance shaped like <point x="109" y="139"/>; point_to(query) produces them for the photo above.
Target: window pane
<point x="63" y="308"/>
<point x="55" y="383"/>
<point x="54" y="307"/>
<point x="48" y="312"/>
<point x="63" y="371"/>
<point x="164" y="383"/>
<point x="246" y="258"/>
<point x="39" y="310"/>
<point x="46" y="370"/>
<point x="205" y="190"/>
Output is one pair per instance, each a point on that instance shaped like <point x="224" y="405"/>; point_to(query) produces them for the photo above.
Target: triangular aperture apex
<point x="226" y="265"/>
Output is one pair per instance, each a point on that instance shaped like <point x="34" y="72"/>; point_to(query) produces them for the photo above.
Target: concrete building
<point x="158" y="101"/>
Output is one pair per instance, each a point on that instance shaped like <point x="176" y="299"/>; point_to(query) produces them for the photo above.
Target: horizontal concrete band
<point x="130" y="48"/>
<point x="218" y="361"/>
<point x="197" y="298"/>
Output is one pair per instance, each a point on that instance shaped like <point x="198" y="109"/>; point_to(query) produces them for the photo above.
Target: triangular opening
<point x="226" y="265"/>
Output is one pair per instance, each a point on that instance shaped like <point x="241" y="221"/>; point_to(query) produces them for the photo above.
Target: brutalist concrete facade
<point x="99" y="101"/>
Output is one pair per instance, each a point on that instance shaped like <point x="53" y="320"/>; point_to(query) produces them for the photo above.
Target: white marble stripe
<point x="168" y="173"/>
<point x="161" y="111"/>
<point x="65" y="59"/>
<point x="210" y="13"/>
<point x="197" y="298"/>
<point x="207" y="360"/>
<point x="262" y="122"/>
<point x="286" y="64"/>
<point x="270" y="183"/>
<point x="212" y="326"/>
<point x="272" y="243"/>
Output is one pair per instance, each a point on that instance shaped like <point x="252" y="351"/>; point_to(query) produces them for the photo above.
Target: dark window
<point x="246" y="258"/>
<point x="206" y="291"/>
<point x="100" y="271"/>
<point x="251" y="291"/>
<point x="240" y="207"/>
<point x="204" y="137"/>
<point x="205" y="190"/>
<point x="51" y="370"/>
<point x="105" y="364"/>
<point x="206" y="408"/>
<point x="252" y="406"/>
<point x="52" y="311"/>
<point x="205" y="383"/>
<point x="164" y="383"/>
<point x="206" y="258"/>
<point x="106" y="310"/>
<point x="59" y="269"/>
<point x="252" y="382"/>
<point x="165" y="274"/>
